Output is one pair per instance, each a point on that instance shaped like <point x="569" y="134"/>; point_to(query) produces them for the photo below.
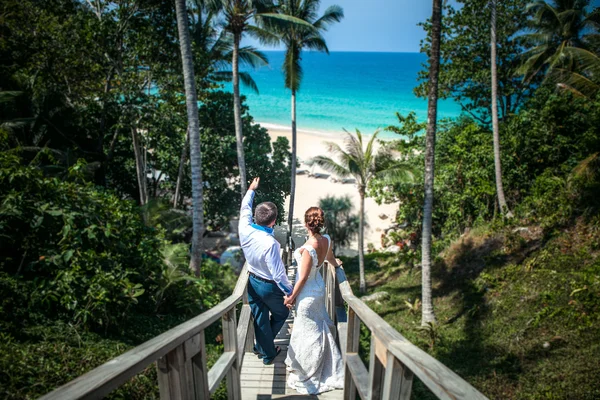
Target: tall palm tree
<point x="296" y="38"/>
<point x="554" y="28"/>
<point x="362" y="163"/>
<point x="497" y="163"/>
<point x="434" y="70"/>
<point x="237" y="14"/>
<point x="191" y="99"/>
<point x="217" y="46"/>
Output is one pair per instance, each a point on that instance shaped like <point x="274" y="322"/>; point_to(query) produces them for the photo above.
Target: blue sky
<point x="378" y="25"/>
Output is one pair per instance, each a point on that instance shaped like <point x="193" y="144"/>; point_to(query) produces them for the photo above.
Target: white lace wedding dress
<point x="313" y="359"/>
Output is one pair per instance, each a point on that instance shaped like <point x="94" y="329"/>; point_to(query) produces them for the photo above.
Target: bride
<point x="313" y="359"/>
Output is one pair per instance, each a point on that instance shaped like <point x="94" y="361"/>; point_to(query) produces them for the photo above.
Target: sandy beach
<point x="310" y="189"/>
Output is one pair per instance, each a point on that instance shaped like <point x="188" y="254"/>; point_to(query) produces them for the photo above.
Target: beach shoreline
<point x="310" y="189"/>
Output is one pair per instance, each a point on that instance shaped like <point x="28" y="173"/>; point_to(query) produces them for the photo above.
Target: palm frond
<point x="330" y="165"/>
<point x="292" y="70"/>
<point x="316" y="43"/>
<point x="265" y="37"/>
<point x="252" y="57"/>
<point x="332" y="14"/>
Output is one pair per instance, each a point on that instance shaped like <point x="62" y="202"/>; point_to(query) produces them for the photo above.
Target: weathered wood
<point x="376" y="370"/>
<point x="352" y="342"/>
<point x="359" y="375"/>
<point x="219" y="370"/>
<point x="176" y="380"/>
<point x="243" y="330"/>
<point x="230" y="344"/>
<point x="398" y="380"/>
<point x="200" y="369"/>
<point x="443" y="382"/>
<point x="342" y="329"/>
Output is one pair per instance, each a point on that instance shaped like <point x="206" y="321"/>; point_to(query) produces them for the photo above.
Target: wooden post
<point x="352" y="343"/>
<point x="234" y="391"/>
<point x="375" y="369"/>
<point x="175" y="376"/>
<point x="249" y="345"/>
<point x="398" y="380"/>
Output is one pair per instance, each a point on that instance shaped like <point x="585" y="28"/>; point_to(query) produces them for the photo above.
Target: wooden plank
<point x="375" y="370"/>
<point x="342" y="329"/>
<point x="102" y="380"/>
<point x="219" y="370"/>
<point x="200" y="369"/>
<point x="230" y="344"/>
<point x="443" y="382"/>
<point x="359" y="374"/>
<point x="397" y="382"/>
<point x="176" y="376"/>
<point x="352" y="342"/>
<point x="242" y="331"/>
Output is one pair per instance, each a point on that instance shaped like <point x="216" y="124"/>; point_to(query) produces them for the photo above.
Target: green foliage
<point x="221" y="200"/>
<point x="340" y="223"/>
<point x="465" y="70"/>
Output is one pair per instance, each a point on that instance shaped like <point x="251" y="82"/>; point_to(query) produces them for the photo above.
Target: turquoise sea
<point x="343" y="90"/>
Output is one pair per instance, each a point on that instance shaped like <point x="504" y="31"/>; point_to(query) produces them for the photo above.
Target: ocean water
<point x="342" y="90"/>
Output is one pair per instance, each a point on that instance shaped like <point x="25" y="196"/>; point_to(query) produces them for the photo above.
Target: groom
<point x="268" y="284"/>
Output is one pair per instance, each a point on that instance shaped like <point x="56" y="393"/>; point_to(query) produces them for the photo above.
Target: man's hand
<point x="254" y="184"/>
<point x="288" y="301"/>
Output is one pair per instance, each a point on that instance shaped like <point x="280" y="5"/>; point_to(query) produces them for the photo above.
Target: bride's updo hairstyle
<point x="314" y="218"/>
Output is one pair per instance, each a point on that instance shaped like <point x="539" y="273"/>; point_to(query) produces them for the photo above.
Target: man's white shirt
<point x="261" y="249"/>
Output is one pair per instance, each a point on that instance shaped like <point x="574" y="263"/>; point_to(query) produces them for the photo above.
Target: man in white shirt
<point x="268" y="283"/>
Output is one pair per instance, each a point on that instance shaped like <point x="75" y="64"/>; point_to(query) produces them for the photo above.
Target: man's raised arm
<point x="246" y="209"/>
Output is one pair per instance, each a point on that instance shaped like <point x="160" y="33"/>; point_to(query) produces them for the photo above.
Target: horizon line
<point x="346" y="51"/>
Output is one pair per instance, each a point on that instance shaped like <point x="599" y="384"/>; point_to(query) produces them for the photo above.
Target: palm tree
<point x="237" y="14"/>
<point x="339" y="220"/>
<point x="583" y="79"/>
<point x="497" y="163"/>
<point x="362" y="164"/>
<point x="434" y="70"/>
<point x="296" y="38"/>
<point x="217" y="46"/>
<point x="555" y="27"/>
<point x="191" y="99"/>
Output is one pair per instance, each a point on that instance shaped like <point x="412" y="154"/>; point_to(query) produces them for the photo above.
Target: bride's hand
<point x="288" y="301"/>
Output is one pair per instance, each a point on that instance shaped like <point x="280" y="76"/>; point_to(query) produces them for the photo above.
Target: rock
<point x="376" y="296"/>
<point x="392" y="249"/>
<point x="546" y="345"/>
<point x="521" y="229"/>
<point x="383" y="216"/>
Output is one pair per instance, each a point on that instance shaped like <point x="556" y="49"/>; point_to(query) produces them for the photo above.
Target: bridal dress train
<point x="313" y="359"/>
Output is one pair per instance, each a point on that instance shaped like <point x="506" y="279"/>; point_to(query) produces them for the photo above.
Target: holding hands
<point x="288" y="301"/>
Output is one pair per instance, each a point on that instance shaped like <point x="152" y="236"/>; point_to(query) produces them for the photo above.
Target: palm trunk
<point x="361" y="241"/>
<point x="497" y="161"/>
<point x="182" y="162"/>
<point x="191" y="100"/>
<point x="237" y="114"/>
<point x="293" y="178"/>
<point x="140" y="166"/>
<point x="434" y="68"/>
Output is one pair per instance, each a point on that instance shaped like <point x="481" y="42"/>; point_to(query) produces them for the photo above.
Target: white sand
<point x="310" y="189"/>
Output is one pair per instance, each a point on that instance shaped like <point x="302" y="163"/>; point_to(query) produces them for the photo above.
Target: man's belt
<point x="261" y="279"/>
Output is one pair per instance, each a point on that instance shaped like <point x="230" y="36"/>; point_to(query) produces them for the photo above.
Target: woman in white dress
<point x="313" y="359"/>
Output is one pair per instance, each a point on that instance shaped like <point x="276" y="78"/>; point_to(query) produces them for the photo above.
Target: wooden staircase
<point x="180" y="357"/>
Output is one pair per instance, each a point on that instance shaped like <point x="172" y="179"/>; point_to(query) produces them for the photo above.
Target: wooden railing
<point x="180" y="356"/>
<point x="393" y="360"/>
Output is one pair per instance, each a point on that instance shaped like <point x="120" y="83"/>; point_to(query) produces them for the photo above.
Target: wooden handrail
<point x="180" y="355"/>
<point x="393" y="359"/>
